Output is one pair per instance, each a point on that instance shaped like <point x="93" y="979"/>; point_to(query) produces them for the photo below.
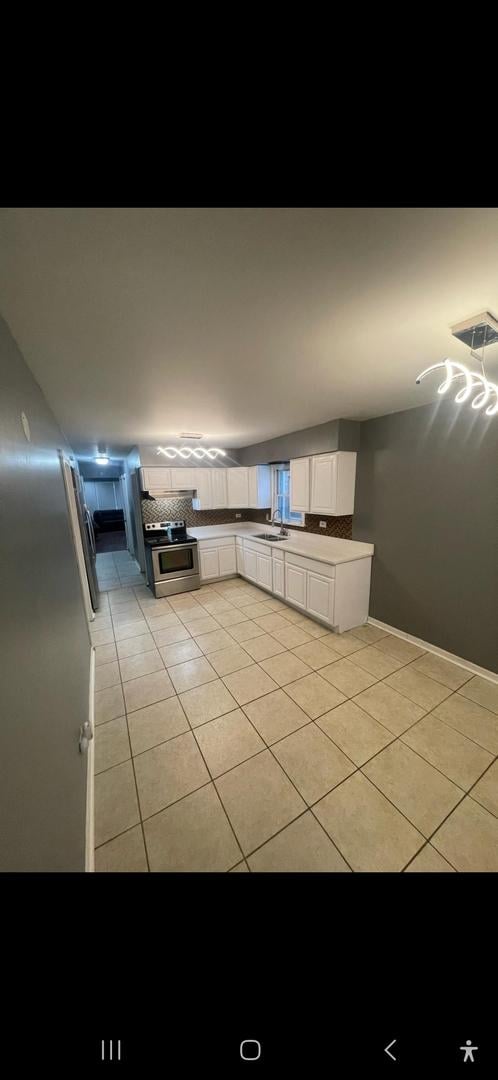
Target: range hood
<point x="166" y="493"/>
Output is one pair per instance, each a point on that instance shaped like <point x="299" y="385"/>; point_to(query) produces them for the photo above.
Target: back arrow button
<point x="387" y="1050"/>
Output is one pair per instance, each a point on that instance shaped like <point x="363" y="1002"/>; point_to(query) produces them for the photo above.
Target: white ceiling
<point x="240" y="323"/>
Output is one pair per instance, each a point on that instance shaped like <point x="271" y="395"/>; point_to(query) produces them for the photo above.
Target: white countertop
<point x="329" y="549"/>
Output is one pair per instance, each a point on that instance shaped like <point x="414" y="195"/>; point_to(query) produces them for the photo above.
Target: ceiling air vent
<point x="190" y="435"/>
<point x="478" y="331"/>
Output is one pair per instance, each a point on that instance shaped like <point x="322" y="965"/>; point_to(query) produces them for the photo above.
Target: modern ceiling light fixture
<point x="479" y="331"/>
<point x="188" y="451"/>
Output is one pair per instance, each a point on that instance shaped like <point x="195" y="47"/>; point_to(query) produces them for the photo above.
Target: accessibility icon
<point x="468" y="1051"/>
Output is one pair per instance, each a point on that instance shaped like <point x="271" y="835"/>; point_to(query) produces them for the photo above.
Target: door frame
<point x="67" y="475"/>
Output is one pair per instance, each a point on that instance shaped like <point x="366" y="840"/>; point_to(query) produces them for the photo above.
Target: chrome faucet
<point x="283" y="530"/>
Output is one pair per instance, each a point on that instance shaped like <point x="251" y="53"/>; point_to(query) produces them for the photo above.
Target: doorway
<point x="105" y="501"/>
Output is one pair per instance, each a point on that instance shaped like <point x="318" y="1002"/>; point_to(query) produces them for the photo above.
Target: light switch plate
<point x="323" y="524"/>
<point x="238" y="515"/>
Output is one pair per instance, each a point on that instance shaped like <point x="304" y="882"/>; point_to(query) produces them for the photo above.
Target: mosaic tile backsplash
<point x="181" y="509"/>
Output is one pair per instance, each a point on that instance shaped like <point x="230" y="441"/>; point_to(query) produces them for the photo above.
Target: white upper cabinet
<point x="238" y="487"/>
<point x="218" y="488"/>
<point x="259" y="487"/>
<point x="332" y="483"/>
<point x="155" y="477"/>
<point x="300" y="484"/>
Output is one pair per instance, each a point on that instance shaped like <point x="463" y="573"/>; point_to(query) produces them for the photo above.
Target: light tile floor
<point x="232" y="733"/>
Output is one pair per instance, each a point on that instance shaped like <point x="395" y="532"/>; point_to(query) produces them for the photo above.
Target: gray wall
<point x="45" y="653"/>
<point x="427" y="497"/>
<point x="322" y="439"/>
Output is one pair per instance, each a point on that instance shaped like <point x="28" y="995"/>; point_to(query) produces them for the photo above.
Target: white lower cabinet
<point x="337" y="595"/>
<point x="217" y="559"/>
<point x="295" y="584"/>
<point x="320" y="596"/>
<point x="278" y="577"/>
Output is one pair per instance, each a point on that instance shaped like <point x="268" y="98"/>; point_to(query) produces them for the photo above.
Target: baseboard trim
<point x="467" y="664"/>
<point x="90" y="832"/>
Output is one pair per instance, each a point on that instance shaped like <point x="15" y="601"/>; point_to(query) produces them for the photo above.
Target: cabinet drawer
<point x="216" y="542"/>
<point x="323" y="568"/>
<point x="252" y="545"/>
<point x="277" y="555"/>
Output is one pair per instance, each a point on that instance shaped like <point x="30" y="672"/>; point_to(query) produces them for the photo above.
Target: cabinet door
<point x="202" y="483"/>
<point x="263" y="566"/>
<point x="251" y="570"/>
<point x="238" y="487"/>
<point x="300" y="484"/>
<point x="218" y="489"/>
<point x="320" y="596"/>
<point x="278" y="577"/>
<point x="227" y="561"/>
<point x="323" y="483"/>
<point x="182" y="478"/>
<point x="253" y="486"/>
<point x="157" y="476"/>
<point x="295" y="585"/>
<point x="259" y="487"/>
<point x="239" y="551"/>
<point x="210" y="565"/>
<point x="332" y="483"/>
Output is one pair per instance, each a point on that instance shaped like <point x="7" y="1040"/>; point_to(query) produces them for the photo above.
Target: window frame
<point x="283" y="466"/>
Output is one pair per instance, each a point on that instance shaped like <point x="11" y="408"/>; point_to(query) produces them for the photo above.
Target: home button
<point x="250" y="1050"/>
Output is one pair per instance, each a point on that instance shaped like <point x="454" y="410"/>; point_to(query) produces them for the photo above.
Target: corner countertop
<point x="328" y="549"/>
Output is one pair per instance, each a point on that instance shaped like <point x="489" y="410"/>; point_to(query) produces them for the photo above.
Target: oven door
<point x="175" y="561"/>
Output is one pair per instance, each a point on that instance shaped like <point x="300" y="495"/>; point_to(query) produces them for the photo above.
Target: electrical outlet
<point x="322" y="524"/>
<point x="238" y="515"/>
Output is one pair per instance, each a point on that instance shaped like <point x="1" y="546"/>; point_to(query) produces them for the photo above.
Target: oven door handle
<point x="173" y="547"/>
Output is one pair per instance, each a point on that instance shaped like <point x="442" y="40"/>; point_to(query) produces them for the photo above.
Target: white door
<point x="295" y="585"/>
<point x="239" y="551"/>
<point x="300" y="484"/>
<point x="238" y="487"/>
<point x="227" y="561"/>
<point x="320" y="596"/>
<point x="210" y="566"/>
<point x="263" y="567"/>
<point x="218" y="489"/>
<point x="250" y="563"/>
<point x="278" y="577"/>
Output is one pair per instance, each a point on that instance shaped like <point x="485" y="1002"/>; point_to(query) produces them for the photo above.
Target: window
<point x="280" y="496"/>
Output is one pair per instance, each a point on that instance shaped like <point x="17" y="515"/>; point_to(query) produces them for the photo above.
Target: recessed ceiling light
<point x="102" y="460"/>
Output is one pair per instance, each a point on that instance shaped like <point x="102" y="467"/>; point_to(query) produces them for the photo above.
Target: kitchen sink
<point x="269" y="536"/>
